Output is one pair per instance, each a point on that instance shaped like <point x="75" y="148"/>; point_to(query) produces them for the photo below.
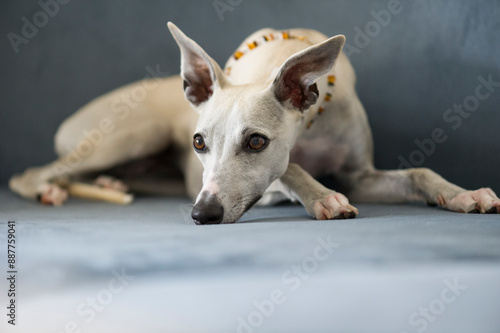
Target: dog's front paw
<point x="51" y="194"/>
<point x="111" y="183"/>
<point x="334" y="206"/>
<point x="481" y="201"/>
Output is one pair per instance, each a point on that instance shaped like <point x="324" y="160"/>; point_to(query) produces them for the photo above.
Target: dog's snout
<point x="207" y="213"/>
<point x="208" y="210"/>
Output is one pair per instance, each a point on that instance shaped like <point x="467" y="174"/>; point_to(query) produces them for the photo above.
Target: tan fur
<point x="164" y="118"/>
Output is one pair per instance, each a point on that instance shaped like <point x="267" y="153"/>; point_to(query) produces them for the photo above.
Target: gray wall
<point x="410" y="71"/>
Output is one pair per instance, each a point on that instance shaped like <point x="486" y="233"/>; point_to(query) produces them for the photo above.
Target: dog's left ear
<point x="295" y="86"/>
<point x="201" y="74"/>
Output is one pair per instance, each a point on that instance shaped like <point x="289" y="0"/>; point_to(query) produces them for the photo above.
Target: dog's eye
<point x="199" y="143"/>
<point x="257" y="143"/>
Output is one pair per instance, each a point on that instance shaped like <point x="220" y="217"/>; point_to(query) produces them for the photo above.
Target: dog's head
<point x="245" y="132"/>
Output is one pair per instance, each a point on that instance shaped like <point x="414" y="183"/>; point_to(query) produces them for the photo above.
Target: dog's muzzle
<point x="208" y="210"/>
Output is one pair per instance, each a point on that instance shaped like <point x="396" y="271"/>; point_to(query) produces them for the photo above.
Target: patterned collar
<point x="326" y="99"/>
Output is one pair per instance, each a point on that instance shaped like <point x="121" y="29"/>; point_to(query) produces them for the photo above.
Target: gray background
<point x="412" y="71"/>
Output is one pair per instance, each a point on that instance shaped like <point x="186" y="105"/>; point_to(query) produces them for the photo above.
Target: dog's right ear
<point x="295" y="86"/>
<point x="201" y="74"/>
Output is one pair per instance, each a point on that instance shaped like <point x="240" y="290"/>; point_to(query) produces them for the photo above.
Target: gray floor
<point x="406" y="268"/>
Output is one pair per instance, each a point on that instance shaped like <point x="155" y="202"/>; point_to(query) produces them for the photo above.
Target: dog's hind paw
<point x="51" y="194"/>
<point x="480" y="201"/>
<point x="334" y="206"/>
<point x="111" y="183"/>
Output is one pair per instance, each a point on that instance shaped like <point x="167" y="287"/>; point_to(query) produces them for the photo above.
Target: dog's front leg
<point x="319" y="201"/>
<point x="421" y="184"/>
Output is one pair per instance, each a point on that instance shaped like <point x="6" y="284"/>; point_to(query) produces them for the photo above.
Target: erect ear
<point x="201" y="74"/>
<point x="295" y="86"/>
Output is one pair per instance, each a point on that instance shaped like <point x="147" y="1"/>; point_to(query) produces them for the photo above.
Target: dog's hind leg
<point x="150" y="136"/>
<point x="108" y="131"/>
<point x="420" y="184"/>
<point x="44" y="183"/>
<point x="41" y="182"/>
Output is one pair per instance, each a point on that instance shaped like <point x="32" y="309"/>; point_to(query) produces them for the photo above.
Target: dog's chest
<point x="319" y="156"/>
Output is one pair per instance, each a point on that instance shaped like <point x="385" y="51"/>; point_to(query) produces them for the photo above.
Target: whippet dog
<point x="283" y="111"/>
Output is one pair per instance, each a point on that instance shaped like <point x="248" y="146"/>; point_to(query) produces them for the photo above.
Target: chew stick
<point x="94" y="192"/>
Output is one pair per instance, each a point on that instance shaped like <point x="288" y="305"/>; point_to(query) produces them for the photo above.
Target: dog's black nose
<point x="208" y="210"/>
